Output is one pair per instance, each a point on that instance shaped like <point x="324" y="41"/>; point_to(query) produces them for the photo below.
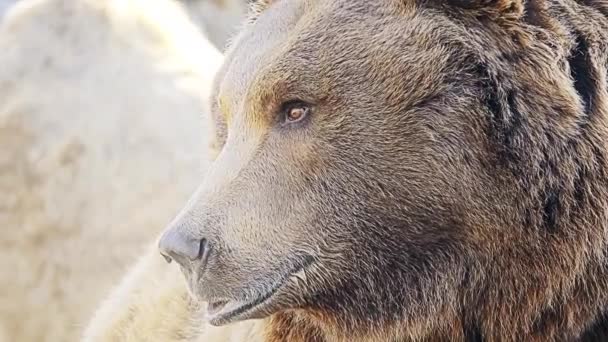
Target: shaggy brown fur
<point x="448" y="184"/>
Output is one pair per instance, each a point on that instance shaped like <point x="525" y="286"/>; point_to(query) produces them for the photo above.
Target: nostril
<point x="203" y="253"/>
<point x="202" y="249"/>
<point x="168" y="259"/>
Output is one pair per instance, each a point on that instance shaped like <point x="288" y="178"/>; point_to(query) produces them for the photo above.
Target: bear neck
<point x="300" y="327"/>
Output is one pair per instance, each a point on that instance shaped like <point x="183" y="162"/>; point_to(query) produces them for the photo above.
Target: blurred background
<point x="103" y="136"/>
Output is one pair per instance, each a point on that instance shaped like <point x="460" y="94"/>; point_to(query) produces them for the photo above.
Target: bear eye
<point x="295" y="111"/>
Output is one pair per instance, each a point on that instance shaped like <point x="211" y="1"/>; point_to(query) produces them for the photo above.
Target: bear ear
<point x="508" y="9"/>
<point x="256" y="7"/>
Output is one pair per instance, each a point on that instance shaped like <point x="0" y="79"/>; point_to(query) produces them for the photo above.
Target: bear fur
<point x="449" y="185"/>
<point x="152" y="304"/>
<point x="101" y="138"/>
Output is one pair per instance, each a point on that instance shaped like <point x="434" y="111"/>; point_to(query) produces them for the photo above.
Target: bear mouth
<point x="226" y="311"/>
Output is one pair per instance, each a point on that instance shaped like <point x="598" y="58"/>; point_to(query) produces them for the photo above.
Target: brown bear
<point x="407" y="170"/>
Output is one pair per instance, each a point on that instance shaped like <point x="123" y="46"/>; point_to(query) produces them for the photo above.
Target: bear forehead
<point x="289" y="49"/>
<point x="255" y="51"/>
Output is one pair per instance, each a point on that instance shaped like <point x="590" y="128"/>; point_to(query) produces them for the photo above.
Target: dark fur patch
<point x="582" y="73"/>
<point x="551" y="210"/>
<point x="534" y="13"/>
<point x="504" y="121"/>
<point x="490" y="89"/>
<point x="597" y="332"/>
<point x="546" y="319"/>
<point x="473" y="334"/>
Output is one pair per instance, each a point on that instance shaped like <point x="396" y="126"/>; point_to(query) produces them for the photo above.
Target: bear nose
<point x="182" y="247"/>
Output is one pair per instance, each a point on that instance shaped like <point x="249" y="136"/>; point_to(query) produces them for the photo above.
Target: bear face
<point x="331" y="157"/>
<point x="384" y="162"/>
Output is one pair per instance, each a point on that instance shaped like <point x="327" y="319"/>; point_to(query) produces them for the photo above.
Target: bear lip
<point x="226" y="311"/>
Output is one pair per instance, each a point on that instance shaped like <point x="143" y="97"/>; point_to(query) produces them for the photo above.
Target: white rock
<point x="102" y="107"/>
<point x="220" y="19"/>
<point x="4" y="7"/>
